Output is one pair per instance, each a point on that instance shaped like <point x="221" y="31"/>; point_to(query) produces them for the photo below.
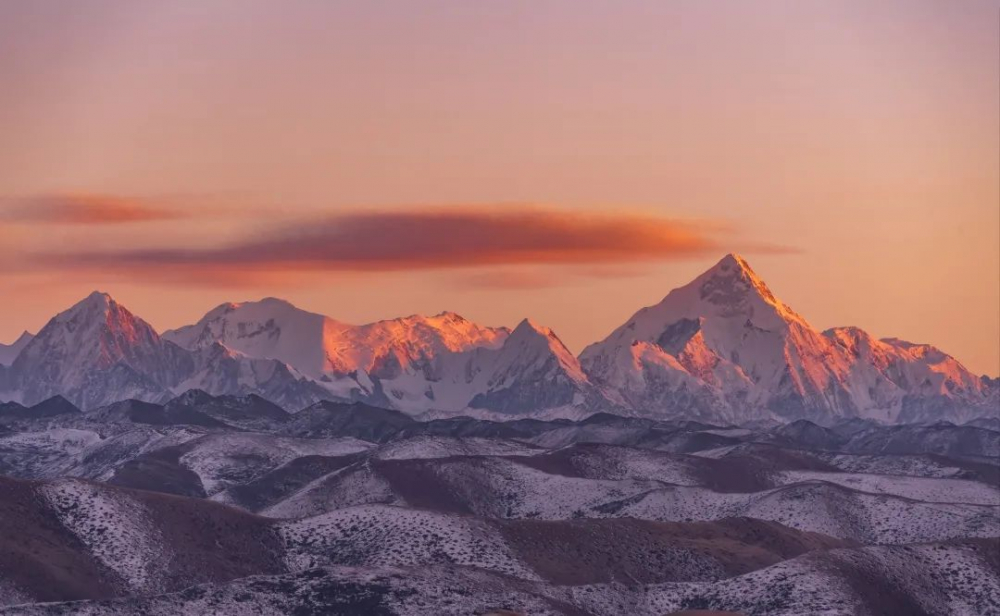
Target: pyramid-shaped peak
<point x="734" y="266"/>
<point x="730" y="288"/>
<point x="528" y="330"/>
<point x="56" y="405"/>
<point x="97" y="298"/>
<point x="97" y="303"/>
<point x="735" y="260"/>
<point x="96" y="312"/>
<point x="530" y="341"/>
<point x="528" y="327"/>
<point x="531" y="333"/>
<point x="732" y="278"/>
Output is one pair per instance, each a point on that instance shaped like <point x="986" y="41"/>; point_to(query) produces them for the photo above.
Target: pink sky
<point x="848" y="148"/>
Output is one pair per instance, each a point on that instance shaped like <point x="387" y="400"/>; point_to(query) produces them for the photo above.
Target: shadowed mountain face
<point x="230" y="504"/>
<point x="721" y="349"/>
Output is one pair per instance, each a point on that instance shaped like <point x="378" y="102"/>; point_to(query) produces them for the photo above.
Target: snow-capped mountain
<point x="97" y="352"/>
<point x="724" y="347"/>
<point x="910" y="382"/>
<point x="721" y="349"/>
<point x="533" y="369"/>
<point x="270" y="328"/>
<point x="219" y="370"/>
<point x="443" y="363"/>
<point x="320" y="346"/>
<point x="8" y="352"/>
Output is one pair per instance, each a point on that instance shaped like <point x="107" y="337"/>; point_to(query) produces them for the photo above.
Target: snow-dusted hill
<point x="912" y="483"/>
<point x="232" y="505"/>
<point x="935" y="579"/>
<point x="135" y="545"/>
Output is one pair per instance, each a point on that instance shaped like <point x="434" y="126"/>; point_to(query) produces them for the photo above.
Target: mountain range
<point x="722" y="348"/>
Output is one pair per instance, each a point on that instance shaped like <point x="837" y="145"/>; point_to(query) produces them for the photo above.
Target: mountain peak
<point x="95" y="352"/>
<point x="264" y="302"/>
<point x="531" y="344"/>
<point x="448" y="315"/>
<point x="735" y="260"/>
<point x="96" y="307"/>
<point x="9" y="352"/>
<point x="97" y="299"/>
<point x="528" y="327"/>
<point x="99" y="314"/>
<point x="731" y="284"/>
<point x="735" y="270"/>
<point x="527" y="324"/>
<point x="276" y="301"/>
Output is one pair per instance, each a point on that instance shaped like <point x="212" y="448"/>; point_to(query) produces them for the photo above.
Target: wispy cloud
<point x="507" y="243"/>
<point x="82" y="209"/>
<point x="426" y="238"/>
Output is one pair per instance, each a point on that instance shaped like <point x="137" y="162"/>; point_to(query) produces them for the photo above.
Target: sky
<point x="571" y="161"/>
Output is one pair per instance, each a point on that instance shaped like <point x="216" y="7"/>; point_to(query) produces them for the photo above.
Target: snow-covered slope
<point x="910" y="382"/>
<point x="270" y="328"/>
<point x="533" y="369"/>
<point x="444" y="363"/>
<point x="219" y="370"/>
<point x="530" y="371"/>
<point x="97" y="352"/>
<point x="319" y="346"/>
<point x="953" y="578"/>
<point x="724" y="347"/>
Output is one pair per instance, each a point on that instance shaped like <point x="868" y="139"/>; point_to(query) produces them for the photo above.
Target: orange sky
<point x="848" y="148"/>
